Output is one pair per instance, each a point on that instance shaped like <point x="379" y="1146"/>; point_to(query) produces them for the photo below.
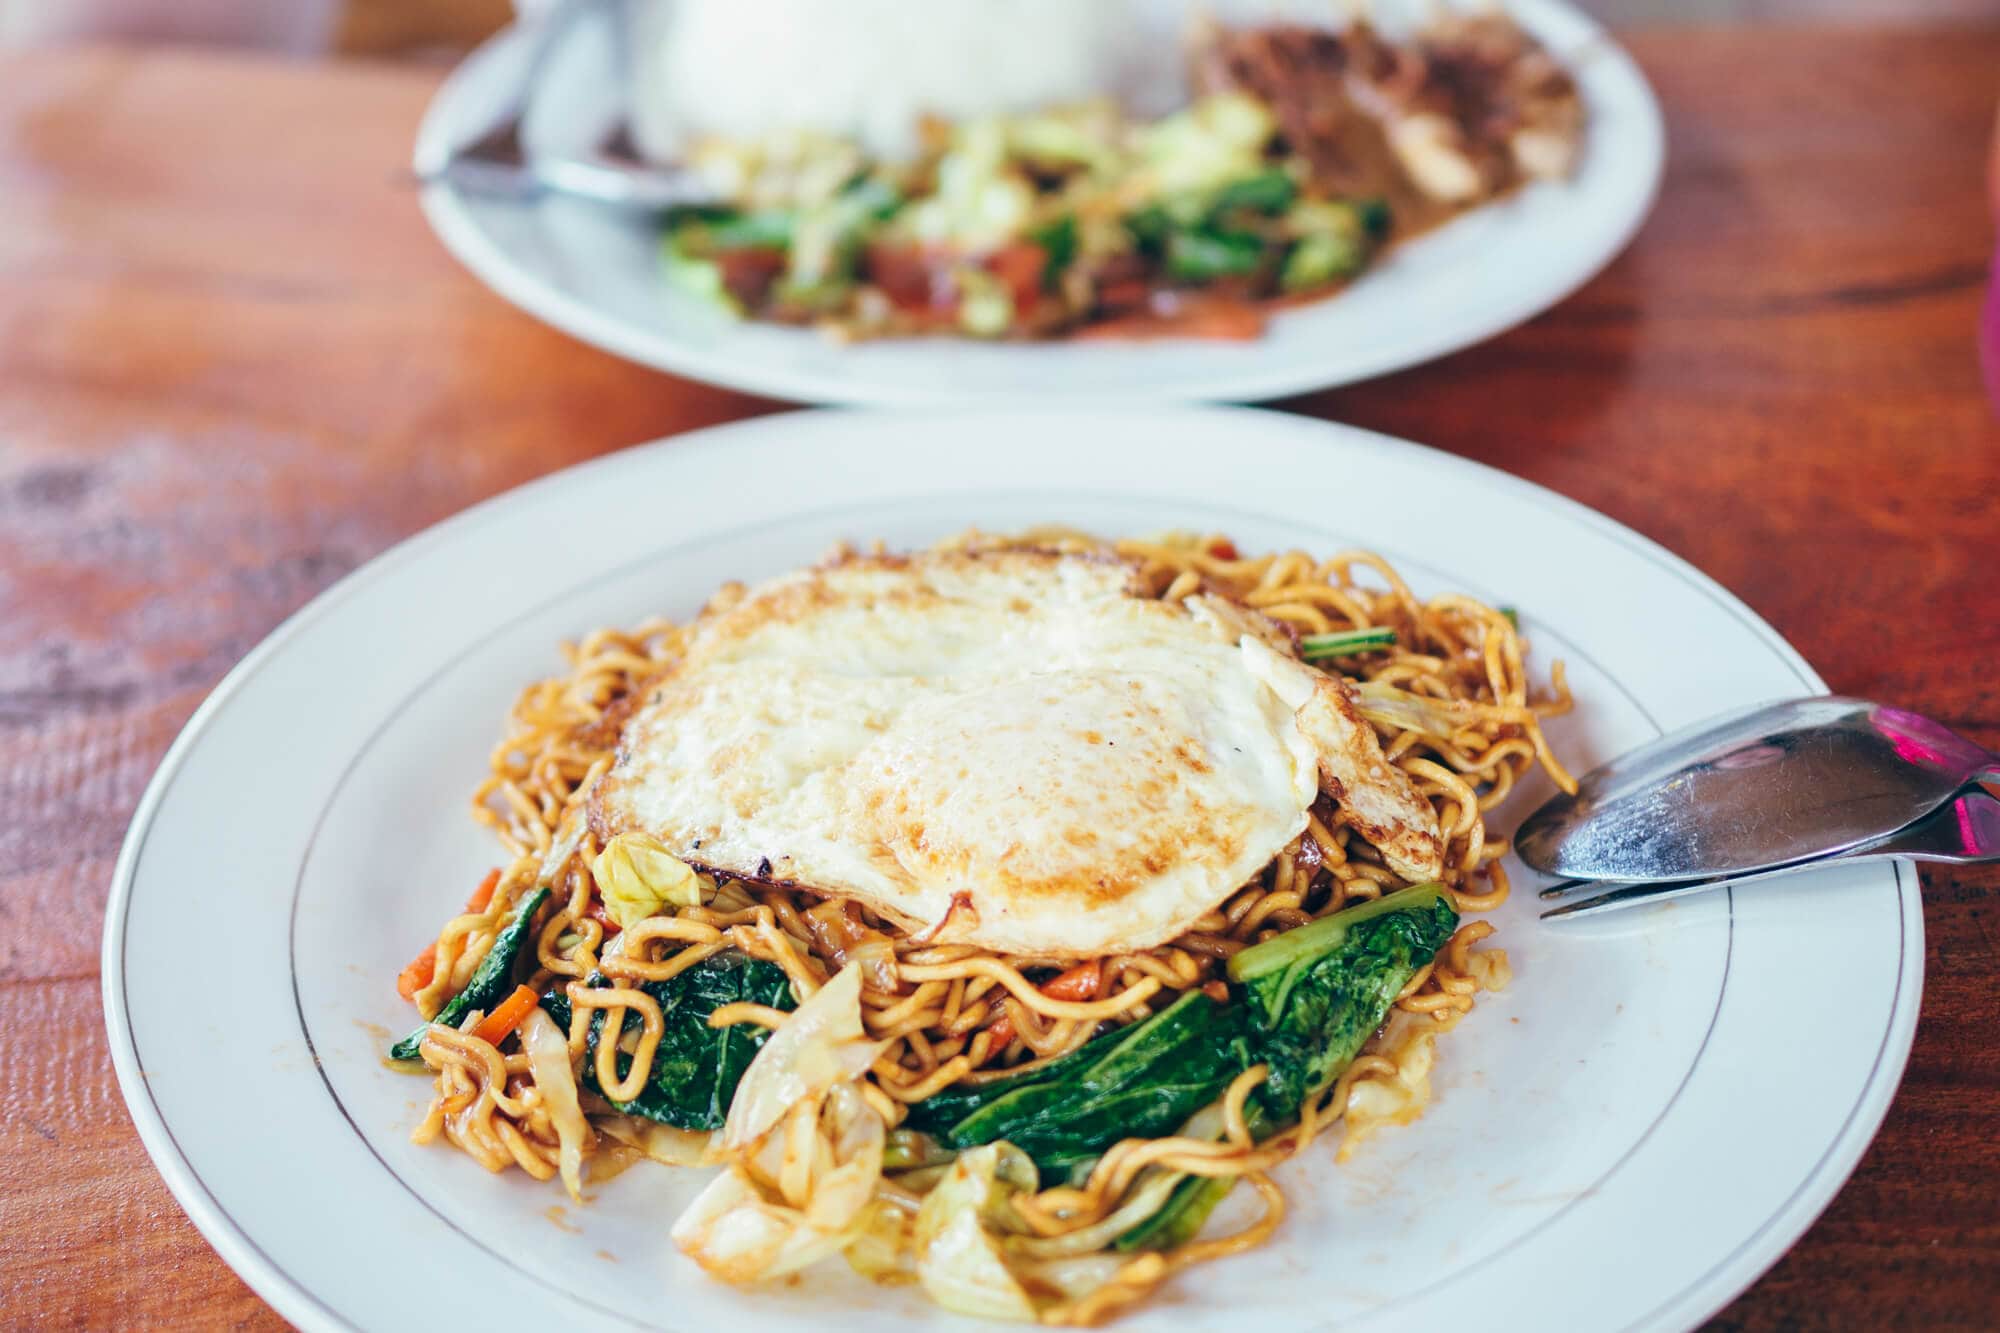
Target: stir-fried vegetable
<point x="803" y="1148"/>
<point x="490" y="981"/>
<point x="497" y="1026"/>
<point x="1026" y="224"/>
<point x="1409" y="711"/>
<point x="805" y="1152"/>
<point x="547" y="1049"/>
<point x="638" y="877"/>
<point x="697" y="1069"/>
<point x="1315" y="994"/>
<point x="1146" y="1084"/>
<point x="1308" y="999"/>
<point x="1345" y="643"/>
<point x="421" y="971"/>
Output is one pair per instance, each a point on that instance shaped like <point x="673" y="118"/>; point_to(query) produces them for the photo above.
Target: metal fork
<point x="498" y="164"/>
<point x="1964" y="831"/>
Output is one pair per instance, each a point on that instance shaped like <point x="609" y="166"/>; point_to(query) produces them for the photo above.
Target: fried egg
<point x="1017" y="750"/>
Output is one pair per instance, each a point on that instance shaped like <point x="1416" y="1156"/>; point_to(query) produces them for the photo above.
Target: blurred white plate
<point x="1625" y="1137"/>
<point x="597" y="276"/>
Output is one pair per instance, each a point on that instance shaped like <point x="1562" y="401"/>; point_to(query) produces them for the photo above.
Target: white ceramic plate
<point x="596" y="276"/>
<point x="1626" y="1137"/>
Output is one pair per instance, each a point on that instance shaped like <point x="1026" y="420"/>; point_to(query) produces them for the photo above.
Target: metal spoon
<point x="1763" y="787"/>
<point x="1964" y="832"/>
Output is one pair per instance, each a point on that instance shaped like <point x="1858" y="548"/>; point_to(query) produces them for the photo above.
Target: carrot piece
<point x="1079" y="983"/>
<point x="419" y="974"/>
<point x="1222" y="549"/>
<point x="484" y="893"/>
<point x="1001" y="1030"/>
<point x="507" y="1015"/>
<point x="423" y="968"/>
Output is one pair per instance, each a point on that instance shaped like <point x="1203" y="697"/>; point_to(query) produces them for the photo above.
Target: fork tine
<point x="1630" y="895"/>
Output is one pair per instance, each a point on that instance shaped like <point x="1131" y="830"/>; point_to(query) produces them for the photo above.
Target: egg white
<point x="1011" y="749"/>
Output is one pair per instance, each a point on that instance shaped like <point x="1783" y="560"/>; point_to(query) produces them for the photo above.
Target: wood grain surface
<point x="234" y="365"/>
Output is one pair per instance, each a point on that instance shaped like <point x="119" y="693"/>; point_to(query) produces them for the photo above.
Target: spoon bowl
<point x="1751" y="790"/>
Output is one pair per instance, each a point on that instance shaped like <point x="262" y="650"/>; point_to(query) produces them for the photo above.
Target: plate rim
<point x="446" y="210"/>
<point x="294" y="1300"/>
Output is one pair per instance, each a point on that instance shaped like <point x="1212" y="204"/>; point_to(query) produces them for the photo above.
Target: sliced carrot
<point x="507" y="1015"/>
<point x="1222" y="549"/>
<point x="419" y="974"/>
<point x="1001" y="1031"/>
<point x="423" y="968"/>
<point x="484" y="893"/>
<point x="1079" y="983"/>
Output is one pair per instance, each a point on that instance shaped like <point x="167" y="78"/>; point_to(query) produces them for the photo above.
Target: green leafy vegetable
<point x="1319" y="647"/>
<point x="491" y="980"/>
<point x="1317" y="993"/>
<point x="1058" y="242"/>
<point x="697" y="1067"/>
<point x="1304" y="1004"/>
<point x="1181" y="1216"/>
<point x="1149" y="227"/>
<point x="1375" y="217"/>
<point x="940" y="1112"/>
<point x="698" y="277"/>
<point x="1195" y="1197"/>
<point x="1334" y="239"/>
<point x="1202" y="256"/>
<point x="1268" y="192"/>
<point x="1144" y="1084"/>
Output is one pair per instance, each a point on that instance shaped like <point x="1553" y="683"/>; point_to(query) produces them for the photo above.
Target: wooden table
<point x="234" y="365"/>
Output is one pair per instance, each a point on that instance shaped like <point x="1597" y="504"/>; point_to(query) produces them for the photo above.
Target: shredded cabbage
<point x="639" y="877"/>
<point x="802" y="1148"/>
<point x="974" y="1258"/>
<point x="1391" y="707"/>
<point x="548" y="1061"/>
<point x="820" y="1045"/>
<point x="958" y="1248"/>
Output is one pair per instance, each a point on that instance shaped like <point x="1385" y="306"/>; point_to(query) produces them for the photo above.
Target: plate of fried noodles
<point x="1041" y="866"/>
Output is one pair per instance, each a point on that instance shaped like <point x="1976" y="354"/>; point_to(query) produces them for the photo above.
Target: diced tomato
<point x="1020" y="267"/>
<point x="748" y="274"/>
<point x="903" y="272"/>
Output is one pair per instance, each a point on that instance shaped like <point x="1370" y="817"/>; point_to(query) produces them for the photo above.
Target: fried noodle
<point x="953" y="1013"/>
